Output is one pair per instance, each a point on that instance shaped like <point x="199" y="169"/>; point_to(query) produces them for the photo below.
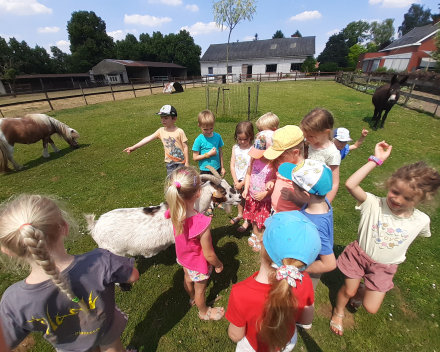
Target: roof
<point x="145" y="63"/>
<point x="257" y="49"/>
<point x="55" y="75"/>
<point x="414" y="36"/>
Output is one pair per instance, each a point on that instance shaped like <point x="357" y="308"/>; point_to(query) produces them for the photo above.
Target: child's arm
<point x="232" y="168"/>
<point x="306" y="317"/>
<point x="222" y="167"/>
<point x="381" y="151"/>
<point x="208" y="251"/>
<point x="186" y="153"/>
<point x="146" y="140"/>
<point x="236" y="333"/>
<point x="3" y="346"/>
<point x="335" y="174"/>
<point x="359" y="142"/>
<point x="247" y="180"/>
<point x="324" y="264"/>
<point x="198" y="157"/>
<point x="134" y="276"/>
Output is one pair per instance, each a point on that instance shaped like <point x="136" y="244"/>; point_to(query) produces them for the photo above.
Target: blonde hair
<point x="181" y="186"/>
<point x="206" y="118"/>
<point x="30" y="225"/>
<point x="268" y="121"/>
<point x="278" y="318"/>
<point x="318" y="120"/>
<point x="286" y="155"/>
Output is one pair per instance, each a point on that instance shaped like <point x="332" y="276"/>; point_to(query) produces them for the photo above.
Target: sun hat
<point x="167" y="110"/>
<point x="290" y="234"/>
<point x="284" y="138"/>
<point x="263" y="140"/>
<point x="313" y="176"/>
<point x="342" y="134"/>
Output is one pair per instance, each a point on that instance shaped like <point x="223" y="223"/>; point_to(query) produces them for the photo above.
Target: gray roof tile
<point x="413" y="36"/>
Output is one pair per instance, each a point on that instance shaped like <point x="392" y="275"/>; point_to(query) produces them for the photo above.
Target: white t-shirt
<point x="386" y="237"/>
<point x="330" y="155"/>
<point x="242" y="161"/>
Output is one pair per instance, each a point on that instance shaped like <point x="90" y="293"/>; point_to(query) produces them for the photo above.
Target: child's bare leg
<point x="259" y="232"/>
<point x="199" y="296"/>
<point x="347" y="291"/>
<point x="240" y="210"/>
<point x="188" y="284"/>
<point x="372" y="300"/>
<point x="115" y="346"/>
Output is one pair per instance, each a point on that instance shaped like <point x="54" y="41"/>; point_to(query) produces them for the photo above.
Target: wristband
<point x="206" y="156"/>
<point x="376" y="160"/>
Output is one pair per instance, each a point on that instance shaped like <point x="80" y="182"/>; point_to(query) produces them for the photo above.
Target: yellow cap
<point x="287" y="137"/>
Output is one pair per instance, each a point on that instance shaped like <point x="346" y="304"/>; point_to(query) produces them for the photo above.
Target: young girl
<point x="317" y="126"/>
<point x="240" y="160"/>
<point x="387" y="227"/>
<point x="193" y="238"/>
<point x="70" y="299"/>
<point x="264" y="308"/>
<point x="258" y="204"/>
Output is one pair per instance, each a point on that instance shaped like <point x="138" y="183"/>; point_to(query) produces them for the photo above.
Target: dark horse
<point x="31" y="129"/>
<point x="385" y="97"/>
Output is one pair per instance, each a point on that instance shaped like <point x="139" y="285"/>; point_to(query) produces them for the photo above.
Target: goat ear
<point x="403" y="80"/>
<point x="151" y="210"/>
<point x="394" y="79"/>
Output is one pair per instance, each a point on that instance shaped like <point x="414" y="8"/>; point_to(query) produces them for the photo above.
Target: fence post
<point x="163" y="83"/>
<point x="256" y="104"/>
<point x="435" y="111"/>
<point x="223" y="91"/>
<point x="1" y="113"/>
<point x="111" y="88"/>
<point x="296" y="75"/>
<point x="207" y="97"/>
<point x="218" y="98"/>
<point x="45" y="93"/>
<point x="249" y="103"/>
<point x="134" y="92"/>
<point x="151" y="89"/>
<point x="410" y="91"/>
<point x="83" y="93"/>
<point x="193" y="82"/>
<point x="260" y="77"/>
<point x="73" y="83"/>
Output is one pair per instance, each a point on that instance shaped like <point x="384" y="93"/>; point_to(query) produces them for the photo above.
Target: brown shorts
<point x="356" y="264"/>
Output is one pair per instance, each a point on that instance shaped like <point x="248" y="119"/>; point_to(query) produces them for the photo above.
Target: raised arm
<point x="359" y="142"/>
<point x="144" y="141"/>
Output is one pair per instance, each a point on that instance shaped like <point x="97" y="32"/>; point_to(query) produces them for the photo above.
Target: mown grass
<point x="98" y="177"/>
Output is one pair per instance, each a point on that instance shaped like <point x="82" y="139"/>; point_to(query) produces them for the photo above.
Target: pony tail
<point x="35" y="241"/>
<point x="177" y="208"/>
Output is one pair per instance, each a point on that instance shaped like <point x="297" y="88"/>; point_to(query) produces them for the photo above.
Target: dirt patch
<point x="56" y="178"/>
<point x="25" y="345"/>
<point x="325" y="310"/>
<point x="403" y="306"/>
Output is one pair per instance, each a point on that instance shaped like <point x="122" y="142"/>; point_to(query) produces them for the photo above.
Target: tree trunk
<point x="227" y="55"/>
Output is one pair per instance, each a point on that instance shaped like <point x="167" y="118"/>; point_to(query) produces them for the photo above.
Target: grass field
<point x="98" y="177"/>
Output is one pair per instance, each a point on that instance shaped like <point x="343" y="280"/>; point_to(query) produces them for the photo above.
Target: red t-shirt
<point x="246" y="304"/>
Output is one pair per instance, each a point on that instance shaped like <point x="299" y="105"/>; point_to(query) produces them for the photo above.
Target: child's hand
<point x="270" y="185"/>
<point x="382" y="150"/>
<point x="287" y="194"/>
<point x="129" y="150"/>
<point x="365" y="132"/>
<point x="239" y="185"/>
<point x="260" y="195"/>
<point x="212" y="152"/>
<point x="223" y="172"/>
<point x="219" y="268"/>
<point x="244" y="194"/>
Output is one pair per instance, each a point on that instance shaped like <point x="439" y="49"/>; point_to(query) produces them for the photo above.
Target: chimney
<point x="294" y="36"/>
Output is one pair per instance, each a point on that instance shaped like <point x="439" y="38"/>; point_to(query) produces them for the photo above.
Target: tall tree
<point x="40" y="61"/>
<point x="128" y="48"/>
<point x="309" y="64"/>
<point x="278" y="34"/>
<point x="356" y="32"/>
<point x="336" y="50"/>
<point x="297" y="34"/>
<point x="415" y="17"/>
<point x="89" y="41"/>
<point x="60" y="62"/>
<point x="382" y="33"/>
<point x="353" y="54"/>
<point x="230" y="13"/>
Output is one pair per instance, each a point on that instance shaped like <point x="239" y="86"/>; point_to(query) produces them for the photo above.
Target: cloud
<point x="202" y="28"/>
<point x="193" y="8"/>
<point x="394" y="3"/>
<point x="248" y="37"/>
<point x="167" y="2"/>
<point x="120" y="34"/>
<point x="48" y="30"/>
<point x="334" y="31"/>
<point x="23" y="7"/>
<point x="147" y="20"/>
<point x="306" y="15"/>
<point x="64" y="45"/>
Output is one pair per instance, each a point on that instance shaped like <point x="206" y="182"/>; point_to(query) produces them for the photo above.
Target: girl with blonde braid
<point x="75" y="309"/>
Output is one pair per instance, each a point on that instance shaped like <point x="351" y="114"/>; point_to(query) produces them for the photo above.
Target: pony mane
<point x="41" y="119"/>
<point x="61" y="129"/>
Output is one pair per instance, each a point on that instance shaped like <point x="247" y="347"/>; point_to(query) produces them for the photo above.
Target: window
<point x="210" y="70"/>
<point x="273" y="46"/>
<point x="293" y="45"/>
<point x="271" y="68"/>
<point x="295" y="67"/>
<point x="229" y="69"/>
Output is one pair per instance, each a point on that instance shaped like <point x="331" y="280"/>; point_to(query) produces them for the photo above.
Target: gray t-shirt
<point x="43" y="307"/>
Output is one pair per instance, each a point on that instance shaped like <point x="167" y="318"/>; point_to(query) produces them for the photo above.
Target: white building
<point x="281" y="55"/>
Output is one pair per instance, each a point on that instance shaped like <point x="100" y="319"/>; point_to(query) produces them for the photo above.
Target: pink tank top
<point x="188" y="248"/>
<point x="260" y="175"/>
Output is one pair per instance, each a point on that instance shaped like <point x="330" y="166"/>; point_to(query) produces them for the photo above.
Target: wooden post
<point x="410" y="91"/>
<point x="194" y="84"/>
<point x="134" y="92"/>
<point x="296" y="75"/>
<point x="256" y="104"/>
<point x="260" y="77"/>
<point x="111" y="88"/>
<point x="151" y="89"/>
<point x="45" y="93"/>
<point x="223" y="101"/>
<point x="278" y="75"/>
<point x="249" y="103"/>
<point x="185" y="82"/>
<point x="83" y="93"/>
<point x="86" y="83"/>
<point x="207" y="97"/>
<point x="73" y="83"/>
<point x="163" y="83"/>
<point x="435" y="111"/>
<point x="1" y="113"/>
<point x="218" y="98"/>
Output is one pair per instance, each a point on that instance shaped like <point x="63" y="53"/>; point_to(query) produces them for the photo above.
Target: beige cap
<point x="287" y="137"/>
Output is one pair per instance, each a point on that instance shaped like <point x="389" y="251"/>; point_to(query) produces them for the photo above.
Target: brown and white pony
<point x="30" y="129"/>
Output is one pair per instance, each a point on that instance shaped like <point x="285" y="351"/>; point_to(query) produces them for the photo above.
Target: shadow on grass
<point x="334" y="279"/>
<point x="310" y="343"/>
<point x="369" y="120"/>
<point x="166" y="257"/>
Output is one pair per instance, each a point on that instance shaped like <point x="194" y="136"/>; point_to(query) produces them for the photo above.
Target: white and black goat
<point x="145" y="231"/>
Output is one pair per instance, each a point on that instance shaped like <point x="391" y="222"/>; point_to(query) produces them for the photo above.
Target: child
<point x="387" y="228"/>
<point x="240" y="160"/>
<point x="317" y="126"/>
<point x="312" y="180"/>
<point x="288" y="146"/>
<point x="268" y="121"/>
<point x="207" y="148"/>
<point x="173" y="139"/>
<point x="342" y="136"/>
<point x="75" y="309"/>
<point x="264" y="308"/>
<point x="193" y="238"/>
<point x="257" y="208"/>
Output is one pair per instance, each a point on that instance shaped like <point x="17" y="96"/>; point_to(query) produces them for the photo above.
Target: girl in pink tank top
<point x="192" y="234"/>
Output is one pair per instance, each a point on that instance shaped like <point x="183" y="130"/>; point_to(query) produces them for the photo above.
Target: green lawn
<point x="98" y="177"/>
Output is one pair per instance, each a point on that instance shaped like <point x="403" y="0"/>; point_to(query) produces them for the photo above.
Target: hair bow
<point x="289" y="272"/>
<point x="177" y="184"/>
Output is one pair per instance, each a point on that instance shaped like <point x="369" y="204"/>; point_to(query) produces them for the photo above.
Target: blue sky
<point x="44" y="22"/>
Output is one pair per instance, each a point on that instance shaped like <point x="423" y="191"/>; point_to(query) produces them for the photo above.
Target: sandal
<point x="243" y="227"/>
<point x="236" y="220"/>
<point x="252" y="240"/>
<point x="220" y="312"/>
<point x="256" y="247"/>
<point x="355" y="304"/>
<point x="209" y="213"/>
<point x="192" y="302"/>
<point x="337" y="326"/>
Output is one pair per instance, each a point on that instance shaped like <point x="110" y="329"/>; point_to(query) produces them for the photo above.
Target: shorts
<point x="244" y="346"/>
<point x="171" y="166"/>
<point x="195" y="276"/>
<point x="356" y="264"/>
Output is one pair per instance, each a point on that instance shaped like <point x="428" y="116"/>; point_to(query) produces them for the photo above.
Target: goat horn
<point x="214" y="171"/>
<point x="211" y="178"/>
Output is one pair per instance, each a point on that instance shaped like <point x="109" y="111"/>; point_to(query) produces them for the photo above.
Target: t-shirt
<point x="324" y="223"/>
<point x="242" y="161"/>
<point x="43" y="307"/>
<point x="261" y="174"/>
<point x="330" y="155"/>
<point x="279" y="204"/>
<point x="203" y="145"/>
<point x="246" y="304"/>
<point x="172" y="144"/>
<point x="386" y="237"/>
<point x="344" y="151"/>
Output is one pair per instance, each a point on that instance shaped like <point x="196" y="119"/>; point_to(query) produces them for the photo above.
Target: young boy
<point x="173" y="138"/>
<point x="268" y="121"/>
<point x="342" y="137"/>
<point x="312" y="180"/>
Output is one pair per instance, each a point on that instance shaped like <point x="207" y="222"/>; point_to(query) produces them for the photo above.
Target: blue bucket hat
<point x="290" y="234"/>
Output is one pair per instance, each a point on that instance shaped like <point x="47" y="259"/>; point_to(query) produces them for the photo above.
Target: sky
<point x="44" y="22"/>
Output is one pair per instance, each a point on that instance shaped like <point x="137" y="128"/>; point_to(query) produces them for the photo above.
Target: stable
<point x="281" y="55"/>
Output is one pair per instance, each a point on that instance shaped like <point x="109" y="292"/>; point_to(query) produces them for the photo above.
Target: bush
<point x="328" y="67"/>
<point x="347" y="69"/>
<point x="391" y="70"/>
<point x="358" y="71"/>
<point x="381" y="69"/>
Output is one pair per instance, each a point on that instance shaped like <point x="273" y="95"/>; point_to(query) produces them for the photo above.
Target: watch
<point x="376" y="160"/>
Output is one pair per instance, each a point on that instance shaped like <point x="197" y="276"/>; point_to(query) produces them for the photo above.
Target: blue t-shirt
<point x="203" y="145"/>
<point x="324" y="223"/>
<point x="344" y="151"/>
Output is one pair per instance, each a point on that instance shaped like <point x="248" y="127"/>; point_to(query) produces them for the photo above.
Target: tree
<point x="128" y="48"/>
<point x="89" y="41"/>
<point x="356" y="32"/>
<point x="415" y="17"/>
<point x="40" y="61"/>
<point x="231" y="13"/>
<point x="60" y="62"/>
<point x="336" y="50"/>
<point x="353" y="54"/>
<point x="436" y="54"/>
<point x="297" y="34"/>
<point x="308" y="65"/>
<point x="382" y="33"/>
<point x="329" y="67"/>
<point x="278" y="34"/>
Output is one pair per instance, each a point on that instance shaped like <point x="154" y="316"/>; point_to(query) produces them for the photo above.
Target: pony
<point x="30" y="129"/>
<point x="384" y="99"/>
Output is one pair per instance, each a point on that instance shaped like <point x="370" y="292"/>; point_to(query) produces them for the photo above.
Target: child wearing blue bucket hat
<point x="264" y="308"/>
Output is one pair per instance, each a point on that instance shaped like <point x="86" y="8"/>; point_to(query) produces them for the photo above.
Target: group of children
<point x="287" y="201"/>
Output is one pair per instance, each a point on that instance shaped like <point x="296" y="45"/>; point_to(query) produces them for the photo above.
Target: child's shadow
<point x="310" y="343"/>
